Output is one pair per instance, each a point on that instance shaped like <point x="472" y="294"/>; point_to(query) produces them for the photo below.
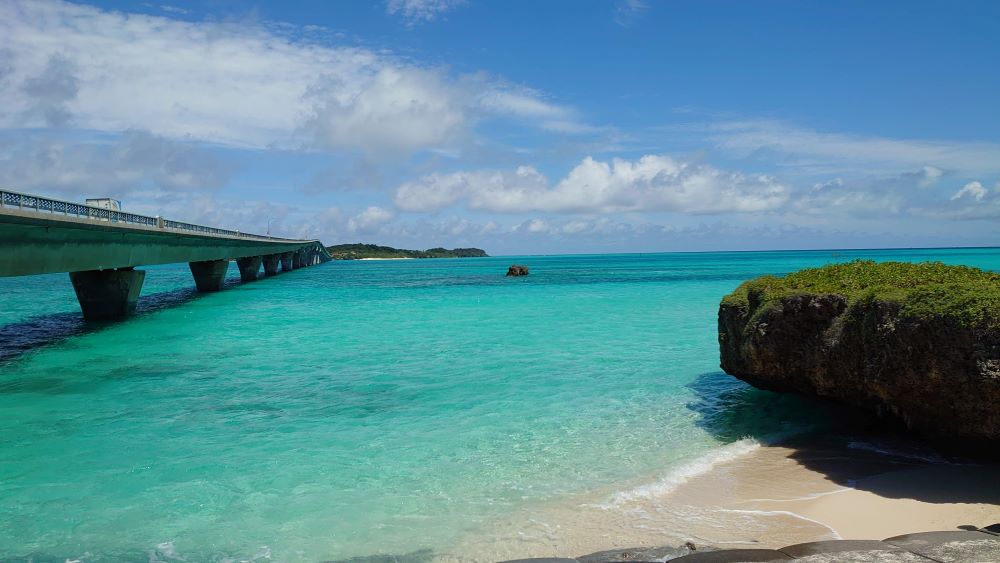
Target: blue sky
<point x="515" y="126"/>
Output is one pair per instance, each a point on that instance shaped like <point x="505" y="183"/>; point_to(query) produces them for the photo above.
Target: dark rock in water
<point x="938" y="373"/>
<point x="516" y="270"/>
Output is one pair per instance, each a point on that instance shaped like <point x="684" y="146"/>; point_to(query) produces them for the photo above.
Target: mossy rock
<point x="916" y="342"/>
<point x="925" y="290"/>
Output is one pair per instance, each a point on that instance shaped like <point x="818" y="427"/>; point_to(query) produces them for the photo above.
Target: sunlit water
<point x="356" y="408"/>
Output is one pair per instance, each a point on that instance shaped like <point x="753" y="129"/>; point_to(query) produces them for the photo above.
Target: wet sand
<point x="757" y="496"/>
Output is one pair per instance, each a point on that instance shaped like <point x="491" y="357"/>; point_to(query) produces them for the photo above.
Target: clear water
<point x="366" y="407"/>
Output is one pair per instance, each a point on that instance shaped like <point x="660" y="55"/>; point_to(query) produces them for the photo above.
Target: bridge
<point x="100" y="248"/>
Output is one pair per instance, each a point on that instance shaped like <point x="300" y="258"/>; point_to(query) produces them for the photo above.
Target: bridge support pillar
<point x="209" y="275"/>
<point x="107" y="294"/>
<point x="249" y="267"/>
<point x="271" y="263"/>
<point x="300" y="259"/>
<point x="287" y="260"/>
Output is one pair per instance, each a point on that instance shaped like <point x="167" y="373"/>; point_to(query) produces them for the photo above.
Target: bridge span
<point x="100" y="248"/>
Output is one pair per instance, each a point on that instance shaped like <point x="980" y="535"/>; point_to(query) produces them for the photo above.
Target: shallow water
<point x="367" y="407"/>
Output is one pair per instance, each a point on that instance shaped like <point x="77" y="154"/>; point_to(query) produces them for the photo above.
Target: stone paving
<point x="957" y="546"/>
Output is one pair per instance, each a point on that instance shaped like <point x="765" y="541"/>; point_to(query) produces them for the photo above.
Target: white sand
<point x="769" y="497"/>
<point x="882" y="506"/>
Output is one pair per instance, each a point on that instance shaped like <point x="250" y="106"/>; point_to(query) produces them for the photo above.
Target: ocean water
<point x="372" y="407"/>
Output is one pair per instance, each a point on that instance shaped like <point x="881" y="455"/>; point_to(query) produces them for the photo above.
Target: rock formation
<point x="919" y="342"/>
<point x="516" y="270"/>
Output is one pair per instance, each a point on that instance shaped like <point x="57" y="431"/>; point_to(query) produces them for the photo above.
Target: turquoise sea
<point x="371" y="407"/>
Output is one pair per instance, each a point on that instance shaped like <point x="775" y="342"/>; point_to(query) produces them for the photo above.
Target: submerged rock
<point x="918" y="342"/>
<point x="517" y="270"/>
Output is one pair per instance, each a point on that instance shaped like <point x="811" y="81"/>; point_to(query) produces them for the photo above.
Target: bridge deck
<point x="101" y="247"/>
<point x="60" y="238"/>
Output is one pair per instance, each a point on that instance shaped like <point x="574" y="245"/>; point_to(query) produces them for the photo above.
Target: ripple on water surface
<point x="366" y="407"/>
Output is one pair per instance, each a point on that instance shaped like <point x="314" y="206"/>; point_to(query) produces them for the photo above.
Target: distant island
<point x="360" y="251"/>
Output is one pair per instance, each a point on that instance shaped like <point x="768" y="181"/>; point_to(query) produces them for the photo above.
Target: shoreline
<point x="748" y="495"/>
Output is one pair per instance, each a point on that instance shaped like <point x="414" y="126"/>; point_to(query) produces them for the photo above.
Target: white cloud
<point x="651" y="183"/>
<point x="529" y="105"/>
<point x="626" y="11"/>
<point x="929" y="176"/>
<point x="52" y="90"/>
<point x="830" y="152"/>
<point x="237" y="84"/>
<point x="415" y="11"/>
<point x="133" y="162"/>
<point x="857" y="199"/>
<point x="974" y="190"/>
<point x="369" y="220"/>
<point x="395" y="109"/>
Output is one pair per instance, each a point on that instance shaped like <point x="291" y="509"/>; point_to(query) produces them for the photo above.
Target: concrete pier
<point x="107" y="294"/>
<point x="287" y="261"/>
<point x="249" y="267"/>
<point x="271" y="263"/>
<point x="209" y="275"/>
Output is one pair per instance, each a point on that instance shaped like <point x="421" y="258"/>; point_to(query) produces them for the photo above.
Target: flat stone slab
<point x="851" y="551"/>
<point x="957" y="546"/>
<point x="734" y="556"/>
<point x="635" y="554"/>
<point x="952" y="547"/>
<point x="836" y="546"/>
<point x="863" y="556"/>
<point x="994" y="529"/>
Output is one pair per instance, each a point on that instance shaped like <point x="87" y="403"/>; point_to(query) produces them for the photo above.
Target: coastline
<point x="747" y="495"/>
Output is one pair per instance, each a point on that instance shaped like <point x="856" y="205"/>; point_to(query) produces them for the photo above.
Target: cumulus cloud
<point x="52" y="90"/>
<point x="651" y="183"/>
<point x="394" y="109"/>
<point x="974" y="190"/>
<point x="237" y="84"/>
<point x="369" y="220"/>
<point x="415" y="11"/>
<point x="133" y="162"/>
<point x="928" y="176"/>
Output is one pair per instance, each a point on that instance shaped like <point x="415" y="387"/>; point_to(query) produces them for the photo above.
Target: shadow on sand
<point x="847" y="446"/>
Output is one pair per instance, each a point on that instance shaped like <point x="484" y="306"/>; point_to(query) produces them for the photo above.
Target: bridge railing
<point x="26" y="202"/>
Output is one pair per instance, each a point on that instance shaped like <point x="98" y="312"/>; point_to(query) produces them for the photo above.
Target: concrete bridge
<point x="100" y="248"/>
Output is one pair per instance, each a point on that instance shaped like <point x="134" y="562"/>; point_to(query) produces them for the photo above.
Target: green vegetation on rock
<point x="923" y="290"/>
<point x="358" y="251"/>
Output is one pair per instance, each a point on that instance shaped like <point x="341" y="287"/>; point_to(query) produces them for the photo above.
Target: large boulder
<point x="917" y="342"/>
<point x="517" y="270"/>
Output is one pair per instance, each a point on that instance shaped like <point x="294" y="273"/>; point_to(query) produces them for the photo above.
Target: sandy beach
<point x="758" y="496"/>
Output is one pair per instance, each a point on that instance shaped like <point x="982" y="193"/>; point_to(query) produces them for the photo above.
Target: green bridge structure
<point x="100" y="249"/>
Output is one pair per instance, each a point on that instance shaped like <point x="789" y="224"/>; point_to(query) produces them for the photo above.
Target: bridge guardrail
<point x="81" y="210"/>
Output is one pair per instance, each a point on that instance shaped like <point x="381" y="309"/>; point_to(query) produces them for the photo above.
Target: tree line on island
<point x="358" y="251"/>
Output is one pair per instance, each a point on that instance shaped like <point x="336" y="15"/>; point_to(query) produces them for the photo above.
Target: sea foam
<point x="685" y="472"/>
